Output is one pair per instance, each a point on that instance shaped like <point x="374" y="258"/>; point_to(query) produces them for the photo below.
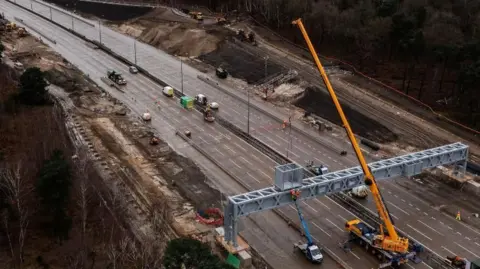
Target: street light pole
<point x="266" y="67"/>
<point x="248" y="111"/>
<point x="99" y="32"/>
<point x="181" y="71"/>
<point x="135" y="50"/>
<point x="51" y="17"/>
<point x="73" y="29"/>
<point x="31" y="5"/>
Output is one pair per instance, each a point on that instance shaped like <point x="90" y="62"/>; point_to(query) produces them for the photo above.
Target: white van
<point x="168" y="91"/>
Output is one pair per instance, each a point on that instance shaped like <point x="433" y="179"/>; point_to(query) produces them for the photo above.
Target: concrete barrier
<point x="65" y="12"/>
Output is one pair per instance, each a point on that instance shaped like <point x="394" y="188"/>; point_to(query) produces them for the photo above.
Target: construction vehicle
<point x="208" y="115"/>
<point x="388" y="246"/>
<point x="221" y="20"/>
<point x="201" y="99"/>
<point x="310" y="249"/>
<point x="116" y="77"/>
<point x="244" y="37"/>
<point x="221" y="73"/>
<point x="462" y="263"/>
<point x="11" y="26"/>
<point x="317" y="169"/>
<point x="154" y="140"/>
<point x="21" y="32"/>
<point x="197" y="15"/>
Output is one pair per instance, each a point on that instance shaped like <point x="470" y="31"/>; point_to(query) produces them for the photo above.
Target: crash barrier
<point x="370" y="144"/>
<point x="217" y="86"/>
<point x="210" y="216"/>
<point x="473" y="167"/>
<point x="35" y="30"/>
<point x="64" y="12"/>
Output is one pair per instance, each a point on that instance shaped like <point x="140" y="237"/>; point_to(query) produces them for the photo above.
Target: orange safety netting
<point x="210" y="216"/>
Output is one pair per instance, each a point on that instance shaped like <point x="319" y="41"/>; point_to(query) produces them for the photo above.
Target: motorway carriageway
<point x="142" y="94"/>
<point x="230" y="107"/>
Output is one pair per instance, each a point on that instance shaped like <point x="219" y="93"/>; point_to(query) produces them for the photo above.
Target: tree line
<point x="430" y="49"/>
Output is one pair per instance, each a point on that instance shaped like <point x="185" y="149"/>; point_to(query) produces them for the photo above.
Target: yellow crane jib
<point x="390" y="241"/>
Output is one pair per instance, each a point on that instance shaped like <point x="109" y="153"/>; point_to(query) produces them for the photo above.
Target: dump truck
<point x="116" y="77"/>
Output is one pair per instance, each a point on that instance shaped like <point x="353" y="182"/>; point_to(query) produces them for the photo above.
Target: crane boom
<point x="392" y="241"/>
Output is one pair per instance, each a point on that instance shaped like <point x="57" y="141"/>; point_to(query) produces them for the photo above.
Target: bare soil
<point x="317" y="101"/>
<point x="134" y="189"/>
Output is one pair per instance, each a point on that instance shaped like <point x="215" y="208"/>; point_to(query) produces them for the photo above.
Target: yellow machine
<point x="11" y="26"/>
<point x="196" y="15"/>
<point x="396" y="248"/>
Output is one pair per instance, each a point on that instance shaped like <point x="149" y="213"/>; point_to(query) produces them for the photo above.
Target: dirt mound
<point x="320" y="103"/>
<point x="241" y="63"/>
<point x="179" y="39"/>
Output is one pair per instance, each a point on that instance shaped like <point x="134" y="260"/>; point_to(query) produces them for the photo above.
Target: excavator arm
<point x="392" y="242"/>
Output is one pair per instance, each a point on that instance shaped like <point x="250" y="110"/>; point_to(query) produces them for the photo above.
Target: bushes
<point x="32" y="89"/>
<point x="189" y="253"/>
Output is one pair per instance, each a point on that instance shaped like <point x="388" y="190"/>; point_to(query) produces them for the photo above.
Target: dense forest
<point x="429" y="49"/>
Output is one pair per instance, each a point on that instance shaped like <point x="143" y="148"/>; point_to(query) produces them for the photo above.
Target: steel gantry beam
<point x="291" y="176"/>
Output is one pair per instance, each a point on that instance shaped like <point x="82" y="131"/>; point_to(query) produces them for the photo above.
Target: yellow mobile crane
<point x="395" y="248"/>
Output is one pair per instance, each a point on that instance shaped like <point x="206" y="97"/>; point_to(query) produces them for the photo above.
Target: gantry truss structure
<point x="292" y="176"/>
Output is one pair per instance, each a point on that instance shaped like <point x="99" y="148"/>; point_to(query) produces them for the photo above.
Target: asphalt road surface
<point x="141" y="94"/>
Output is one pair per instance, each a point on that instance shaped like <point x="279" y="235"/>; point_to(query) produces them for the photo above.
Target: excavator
<point x="388" y="246"/>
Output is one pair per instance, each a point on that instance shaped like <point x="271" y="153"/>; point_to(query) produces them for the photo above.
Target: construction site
<point x="334" y="183"/>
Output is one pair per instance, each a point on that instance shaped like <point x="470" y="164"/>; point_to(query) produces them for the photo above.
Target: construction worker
<point x="458" y="216"/>
<point x="295" y="194"/>
<point x="284" y="124"/>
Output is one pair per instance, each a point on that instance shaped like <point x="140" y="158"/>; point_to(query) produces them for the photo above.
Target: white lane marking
<point x="419" y="232"/>
<point x="430" y="227"/>
<point x="265" y="174"/>
<point x="448" y="250"/>
<point x="477" y="244"/>
<point x="214" y="138"/>
<point x="418" y="209"/>
<point x="394" y="205"/>
<point x="425" y="213"/>
<point x="275" y="142"/>
<point x="409" y="265"/>
<point x="310" y="207"/>
<point x="468" y="238"/>
<point x="318" y="201"/>
<point x="354" y="255"/>
<point x="475" y="255"/>
<point x="227" y="147"/>
<point x="219" y="152"/>
<point x="236" y="144"/>
<point x="449" y="227"/>
<point x="427" y="265"/>
<point x="342" y="218"/>
<point x="254" y="178"/>
<point x="459" y="233"/>
<point x="335" y="225"/>
<point x="232" y="161"/>
<point x="331" y="252"/>
<point x="291" y="206"/>
<point x="395" y="217"/>
<point x="247" y="161"/>
<point x="320" y="228"/>
<point x="403" y="200"/>
<point x="433" y="218"/>
<point x="203" y="140"/>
